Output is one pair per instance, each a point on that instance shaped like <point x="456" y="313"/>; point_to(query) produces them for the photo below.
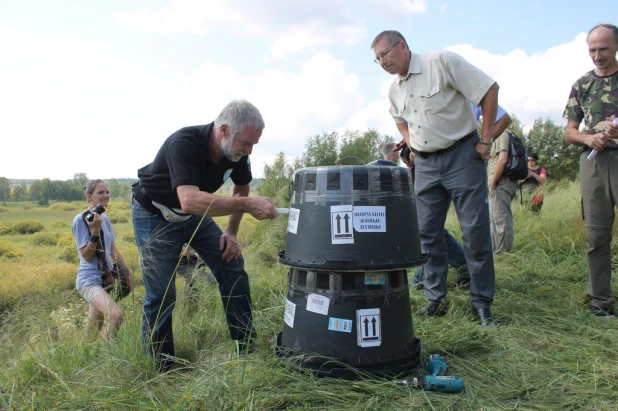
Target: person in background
<point x="97" y="251"/>
<point x="390" y="156"/>
<point x="501" y="188"/>
<point x="537" y="176"/>
<point x="594" y="100"/>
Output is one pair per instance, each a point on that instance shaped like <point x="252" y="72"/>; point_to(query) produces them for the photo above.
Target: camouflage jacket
<point x="592" y="100"/>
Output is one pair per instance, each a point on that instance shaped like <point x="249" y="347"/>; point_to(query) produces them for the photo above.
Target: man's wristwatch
<point x="94" y="238"/>
<point x="484" y="142"/>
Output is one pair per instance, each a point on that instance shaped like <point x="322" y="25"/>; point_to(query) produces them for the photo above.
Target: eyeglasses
<point x="384" y="53"/>
<point x="531" y="159"/>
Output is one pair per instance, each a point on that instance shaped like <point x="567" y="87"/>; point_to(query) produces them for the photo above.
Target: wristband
<point x="94" y="238"/>
<point x="485" y="143"/>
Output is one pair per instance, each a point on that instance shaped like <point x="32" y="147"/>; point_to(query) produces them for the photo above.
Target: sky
<point x="96" y="87"/>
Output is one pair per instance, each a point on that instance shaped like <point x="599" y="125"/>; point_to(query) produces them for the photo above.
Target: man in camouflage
<point x="594" y="99"/>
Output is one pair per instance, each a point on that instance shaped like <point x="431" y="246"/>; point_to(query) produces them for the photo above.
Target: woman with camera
<point x="97" y="250"/>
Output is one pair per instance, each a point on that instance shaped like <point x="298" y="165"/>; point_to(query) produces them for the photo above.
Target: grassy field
<point x="547" y="353"/>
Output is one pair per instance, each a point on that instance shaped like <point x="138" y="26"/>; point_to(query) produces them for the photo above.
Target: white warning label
<point x="370" y="219"/>
<point x="293" y="220"/>
<point x="368" y="326"/>
<point x="341" y="224"/>
<point x="290" y="313"/>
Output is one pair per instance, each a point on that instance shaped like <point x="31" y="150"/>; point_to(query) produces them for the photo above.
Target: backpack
<point x="517" y="163"/>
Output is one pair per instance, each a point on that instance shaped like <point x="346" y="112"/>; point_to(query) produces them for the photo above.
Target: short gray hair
<point x="387" y="148"/>
<point x="238" y="114"/>
<point x="392" y="36"/>
<point x="613" y="28"/>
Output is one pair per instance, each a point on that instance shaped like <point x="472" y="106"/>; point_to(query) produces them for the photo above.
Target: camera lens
<point x="98" y="209"/>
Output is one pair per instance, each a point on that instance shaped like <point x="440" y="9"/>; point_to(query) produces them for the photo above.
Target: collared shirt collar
<point x="414" y="67"/>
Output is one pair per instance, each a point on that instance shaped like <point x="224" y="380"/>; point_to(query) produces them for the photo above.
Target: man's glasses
<point x="385" y="53"/>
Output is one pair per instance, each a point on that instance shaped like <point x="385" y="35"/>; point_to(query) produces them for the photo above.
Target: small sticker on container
<point x="368" y="328"/>
<point x="340" y="324"/>
<point x="375" y="278"/>
<point x="293" y="220"/>
<point x="290" y="313"/>
<point x="341" y="228"/>
<point x="318" y="304"/>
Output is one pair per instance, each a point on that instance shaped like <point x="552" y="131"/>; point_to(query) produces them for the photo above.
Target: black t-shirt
<point x="184" y="159"/>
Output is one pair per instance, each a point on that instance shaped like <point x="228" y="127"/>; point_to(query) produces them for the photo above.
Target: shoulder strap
<point x="100" y="251"/>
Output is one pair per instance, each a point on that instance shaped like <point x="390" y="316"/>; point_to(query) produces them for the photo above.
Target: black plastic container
<point x="352" y="232"/>
<point x="353" y="218"/>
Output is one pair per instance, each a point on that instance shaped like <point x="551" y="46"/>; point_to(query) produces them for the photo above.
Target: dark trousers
<point x="457" y="174"/>
<point x="160" y="244"/>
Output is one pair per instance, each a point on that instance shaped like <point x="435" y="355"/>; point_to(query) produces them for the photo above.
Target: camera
<point x="98" y="209"/>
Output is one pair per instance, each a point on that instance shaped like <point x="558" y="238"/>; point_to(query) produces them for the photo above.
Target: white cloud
<point x="291" y="25"/>
<point x="294" y="105"/>
<point x="535" y="85"/>
<point x="398" y="7"/>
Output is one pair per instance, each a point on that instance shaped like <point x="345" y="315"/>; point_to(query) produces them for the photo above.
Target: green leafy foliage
<point x="268" y="237"/>
<point x="8" y="250"/>
<point x="44" y="238"/>
<point x="558" y="156"/>
<point x="64" y="206"/>
<point x="21" y="227"/>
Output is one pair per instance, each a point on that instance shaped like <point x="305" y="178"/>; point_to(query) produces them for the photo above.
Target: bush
<point x="44" y="238"/>
<point x="22" y="227"/>
<point x="3" y="209"/>
<point x="127" y="236"/>
<point x="64" y="206"/>
<point x="8" y="250"/>
<point x="120" y="219"/>
<point x="67" y="248"/>
<point x="59" y="224"/>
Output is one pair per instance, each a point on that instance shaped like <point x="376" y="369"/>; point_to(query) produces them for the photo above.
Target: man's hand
<point x="493" y="184"/>
<point x="483" y="150"/>
<point x="261" y="208"/>
<point x="229" y="244"/>
<point x="611" y="128"/>
<point x="597" y="141"/>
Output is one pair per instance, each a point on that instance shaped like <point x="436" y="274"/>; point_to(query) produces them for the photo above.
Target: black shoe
<point x="485" y="317"/>
<point x="600" y="312"/>
<point x="434" y="309"/>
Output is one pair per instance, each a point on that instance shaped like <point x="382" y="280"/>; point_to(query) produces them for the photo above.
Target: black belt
<point x="462" y="140"/>
<point x="139" y="194"/>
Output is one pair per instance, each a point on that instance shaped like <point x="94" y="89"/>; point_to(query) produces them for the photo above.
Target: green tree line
<point x="45" y="190"/>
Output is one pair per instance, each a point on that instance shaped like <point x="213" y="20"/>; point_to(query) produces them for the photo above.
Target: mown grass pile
<point x="548" y="351"/>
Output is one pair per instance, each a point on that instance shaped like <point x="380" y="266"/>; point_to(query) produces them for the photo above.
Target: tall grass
<point x="548" y="353"/>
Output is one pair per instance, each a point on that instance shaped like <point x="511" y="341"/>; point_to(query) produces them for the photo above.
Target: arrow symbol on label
<point x="373" y="322"/>
<point x="338" y="218"/>
<point x="346" y="218"/>
<point x="366" y="326"/>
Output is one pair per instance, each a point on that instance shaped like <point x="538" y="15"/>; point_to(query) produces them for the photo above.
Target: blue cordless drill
<point x="438" y="380"/>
